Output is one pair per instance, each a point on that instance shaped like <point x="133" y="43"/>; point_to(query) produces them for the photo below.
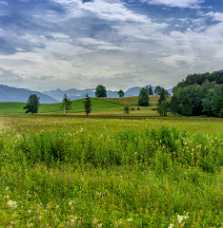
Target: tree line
<point x="198" y="94"/>
<point x="32" y="105"/>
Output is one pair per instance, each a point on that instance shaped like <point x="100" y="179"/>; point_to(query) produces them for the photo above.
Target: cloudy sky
<point x="46" y="44"/>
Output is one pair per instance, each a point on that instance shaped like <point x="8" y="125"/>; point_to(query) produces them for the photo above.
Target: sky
<point x="49" y="44"/>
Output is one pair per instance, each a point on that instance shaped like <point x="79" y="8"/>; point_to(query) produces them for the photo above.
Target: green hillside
<point x="99" y="105"/>
<point x="11" y="107"/>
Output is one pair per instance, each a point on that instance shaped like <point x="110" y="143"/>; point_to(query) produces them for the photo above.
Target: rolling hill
<point x="99" y="105"/>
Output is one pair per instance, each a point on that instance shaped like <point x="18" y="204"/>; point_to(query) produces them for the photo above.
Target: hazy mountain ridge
<point x="75" y="94"/>
<point x="13" y="94"/>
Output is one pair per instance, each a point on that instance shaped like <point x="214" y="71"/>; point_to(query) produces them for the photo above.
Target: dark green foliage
<point x="163" y="95"/>
<point x="87" y="105"/>
<point x="67" y="103"/>
<point x="163" y="104"/>
<point x="32" y="105"/>
<point x="121" y="93"/>
<point x="158" y="90"/>
<point x="150" y="90"/>
<point x="126" y="109"/>
<point x="204" y="97"/>
<point x="101" y="91"/>
<point x="188" y="100"/>
<point x="215" y="77"/>
<point x="213" y="101"/>
<point x="143" y="97"/>
<point x="163" y="108"/>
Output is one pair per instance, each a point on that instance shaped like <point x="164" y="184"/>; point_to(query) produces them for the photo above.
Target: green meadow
<point x="61" y="170"/>
<point x="99" y="105"/>
<point x="71" y="172"/>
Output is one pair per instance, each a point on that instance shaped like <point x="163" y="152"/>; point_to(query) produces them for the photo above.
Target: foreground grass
<point x="60" y="172"/>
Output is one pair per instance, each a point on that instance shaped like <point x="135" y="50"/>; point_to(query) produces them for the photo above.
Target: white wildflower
<point x="12" y="204"/>
<point x="182" y="218"/>
<point x="70" y="203"/>
<point x="171" y="225"/>
<point x="73" y="220"/>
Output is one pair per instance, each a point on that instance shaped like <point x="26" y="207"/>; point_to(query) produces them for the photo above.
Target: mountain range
<point x="75" y="94"/>
<point x="13" y="94"/>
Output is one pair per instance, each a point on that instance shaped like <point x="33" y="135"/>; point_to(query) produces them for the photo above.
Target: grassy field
<point x="99" y="106"/>
<point x="65" y="172"/>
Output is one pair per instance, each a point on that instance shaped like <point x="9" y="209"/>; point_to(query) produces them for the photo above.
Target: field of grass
<point x="65" y="172"/>
<point x="99" y="106"/>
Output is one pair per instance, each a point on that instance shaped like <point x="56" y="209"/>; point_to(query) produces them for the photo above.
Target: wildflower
<point x="7" y="197"/>
<point x="70" y="203"/>
<point x="73" y="220"/>
<point x="171" y="225"/>
<point x="94" y="221"/>
<point x="12" y="204"/>
<point x="130" y="219"/>
<point x="181" y="218"/>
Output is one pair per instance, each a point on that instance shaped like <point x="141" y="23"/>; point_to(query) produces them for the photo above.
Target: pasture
<point x="71" y="172"/>
<point x="99" y="106"/>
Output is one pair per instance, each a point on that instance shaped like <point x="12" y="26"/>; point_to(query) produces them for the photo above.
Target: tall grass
<point x="160" y="149"/>
<point x="131" y="177"/>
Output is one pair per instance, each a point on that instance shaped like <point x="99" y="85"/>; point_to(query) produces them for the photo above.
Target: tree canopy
<point x="32" y="105"/>
<point x="121" y="93"/>
<point x="101" y="91"/>
<point x="87" y="105"/>
<point x="143" y="97"/>
<point x="67" y="103"/>
<point x="199" y="94"/>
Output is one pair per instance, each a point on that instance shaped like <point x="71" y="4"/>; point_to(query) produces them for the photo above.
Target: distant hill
<point x="75" y="94"/>
<point x="131" y="92"/>
<point x="12" y="94"/>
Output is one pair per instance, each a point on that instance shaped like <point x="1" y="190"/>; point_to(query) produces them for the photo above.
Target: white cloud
<point x="217" y="16"/>
<point x="130" y="48"/>
<point x="104" y="9"/>
<point x="176" y="3"/>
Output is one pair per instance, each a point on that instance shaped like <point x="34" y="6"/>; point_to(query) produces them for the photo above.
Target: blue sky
<point x="46" y="44"/>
